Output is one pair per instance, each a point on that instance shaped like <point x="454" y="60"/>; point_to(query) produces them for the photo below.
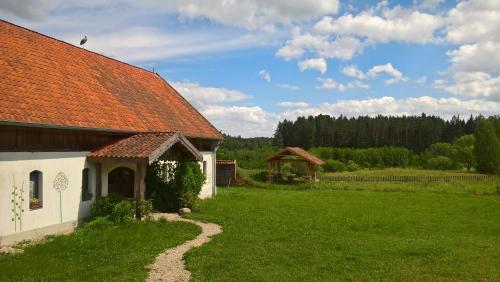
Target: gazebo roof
<point x="295" y="151"/>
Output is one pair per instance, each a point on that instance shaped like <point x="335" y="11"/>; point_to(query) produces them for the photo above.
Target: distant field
<point x="402" y="172"/>
<point x="352" y="231"/>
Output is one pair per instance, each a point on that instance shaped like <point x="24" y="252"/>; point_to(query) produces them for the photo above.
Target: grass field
<point x="352" y="231"/>
<point x="395" y="171"/>
<point x="97" y="254"/>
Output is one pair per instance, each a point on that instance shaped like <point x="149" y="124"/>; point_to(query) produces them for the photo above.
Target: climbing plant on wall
<point x="60" y="184"/>
<point x="17" y="200"/>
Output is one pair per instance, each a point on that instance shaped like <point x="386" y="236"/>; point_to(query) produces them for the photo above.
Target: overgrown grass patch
<point x="360" y="233"/>
<point x="100" y="253"/>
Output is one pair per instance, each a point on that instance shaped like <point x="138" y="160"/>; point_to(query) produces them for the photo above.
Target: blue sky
<point x="248" y="64"/>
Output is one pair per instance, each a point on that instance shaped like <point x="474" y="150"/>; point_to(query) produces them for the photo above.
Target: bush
<point x="334" y="166"/>
<point x="440" y="162"/>
<point x="144" y="209"/>
<point x="352" y="166"/>
<point x="159" y="187"/>
<point x="122" y="213"/>
<point x="486" y="148"/>
<point x="187" y="183"/>
<point x="105" y="206"/>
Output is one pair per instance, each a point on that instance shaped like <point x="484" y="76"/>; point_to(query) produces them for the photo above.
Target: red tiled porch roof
<point x="146" y="147"/>
<point x="47" y="82"/>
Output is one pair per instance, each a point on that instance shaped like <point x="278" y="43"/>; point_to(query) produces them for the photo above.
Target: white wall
<point x="208" y="189"/>
<point x="16" y="166"/>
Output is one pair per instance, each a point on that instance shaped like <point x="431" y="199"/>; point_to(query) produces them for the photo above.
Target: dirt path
<point x="169" y="265"/>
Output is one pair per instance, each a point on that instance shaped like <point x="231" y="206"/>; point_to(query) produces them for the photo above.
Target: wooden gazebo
<point x="291" y="155"/>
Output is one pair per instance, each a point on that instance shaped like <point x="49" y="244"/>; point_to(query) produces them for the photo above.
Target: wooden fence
<point x="415" y="178"/>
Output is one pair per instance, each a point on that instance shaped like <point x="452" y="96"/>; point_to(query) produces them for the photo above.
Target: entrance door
<point x="121" y="182"/>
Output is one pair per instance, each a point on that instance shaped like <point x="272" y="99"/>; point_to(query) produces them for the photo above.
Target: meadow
<point x="352" y="231"/>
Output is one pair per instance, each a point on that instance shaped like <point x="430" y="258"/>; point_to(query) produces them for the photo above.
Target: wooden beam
<point x="98" y="179"/>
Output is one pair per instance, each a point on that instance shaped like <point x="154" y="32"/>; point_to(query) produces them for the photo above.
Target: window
<point x="205" y="168"/>
<point x="36" y="190"/>
<point x="86" y="193"/>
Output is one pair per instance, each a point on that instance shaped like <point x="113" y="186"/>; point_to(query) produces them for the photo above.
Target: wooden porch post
<point x="98" y="179"/>
<point x="139" y="187"/>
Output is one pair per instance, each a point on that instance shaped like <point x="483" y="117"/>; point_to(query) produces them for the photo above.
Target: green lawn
<point x="353" y="231"/>
<point x="98" y="254"/>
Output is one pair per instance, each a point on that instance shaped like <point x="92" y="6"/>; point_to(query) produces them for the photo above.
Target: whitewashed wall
<point x="16" y="166"/>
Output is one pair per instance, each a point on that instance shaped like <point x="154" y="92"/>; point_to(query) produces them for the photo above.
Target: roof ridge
<point x="76" y="47"/>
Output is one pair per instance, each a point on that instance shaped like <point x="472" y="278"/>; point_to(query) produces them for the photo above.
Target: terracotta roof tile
<point x="48" y="82"/>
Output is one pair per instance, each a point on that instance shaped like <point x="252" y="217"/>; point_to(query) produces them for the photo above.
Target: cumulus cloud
<point x="472" y="85"/>
<point x="472" y="21"/>
<point x="313" y="64"/>
<point x="250" y="14"/>
<point x="353" y="71"/>
<point x="339" y="47"/>
<point x="445" y="107"/>
<point x="293" y="104"/>
<point x="288" y="86"/>
<point x="482" y="57"/>
<point x="201" y="96"/>
<point x="396" y="75"/>
<point x="396" y="24"/>
<point x="330" y="83"/>
<point x="264" y="74"/>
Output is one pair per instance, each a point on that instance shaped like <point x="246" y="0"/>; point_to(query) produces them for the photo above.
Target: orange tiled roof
<point x="297" y="152"/>
<point x="145" y="146"/>
<point x="44" y="81"/>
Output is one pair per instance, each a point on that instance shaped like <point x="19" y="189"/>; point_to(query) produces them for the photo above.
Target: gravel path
<point x="169" y="266"/>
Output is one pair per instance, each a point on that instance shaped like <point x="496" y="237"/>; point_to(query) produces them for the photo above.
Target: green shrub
<point x="352" y="166"/>
<point x="144" y="208"/>
<point x="334" y="166"/>
<point x="187" y="183"/>
<point x="123" y="212"/>
<point x="486" y="148"/>
<point x="440" y="162"/>
<point x="104" y="206"/>
<point x="159" y="188"/>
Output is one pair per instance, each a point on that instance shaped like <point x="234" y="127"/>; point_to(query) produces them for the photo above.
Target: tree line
<point x="415" y="133"/>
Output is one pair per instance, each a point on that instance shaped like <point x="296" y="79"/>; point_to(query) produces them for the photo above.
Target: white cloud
<point x="264" y="74"/>
<point x="340" y="47"/>
<point x="353" y="71"/>
<point x="330" y="83"/>
<point x="422" y="80"/>
<point x="201" y="96"/>
<point x="293" y="104"/>
<point x="396" y="24"/>
<point x="445" y="107"/>
<point x="427" y="4"/>
<point x="288" y="86"/>
<point x="250" y="14"/>
<point x="313" y="64"/>
<point x="472" y="84"/>
<point x="244" y="121"/>
<point x="396" y="75"/>
<point x="482" y="57"/>
<point x="473" y="21"/>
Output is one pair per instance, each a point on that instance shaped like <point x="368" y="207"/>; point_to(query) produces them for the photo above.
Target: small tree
<point x="188" y="181"/>
<point x="486" y="147"/>
<point x="465" y="150"/>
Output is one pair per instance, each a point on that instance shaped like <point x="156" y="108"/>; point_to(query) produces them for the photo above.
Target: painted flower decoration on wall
<point x="61" y="182"/>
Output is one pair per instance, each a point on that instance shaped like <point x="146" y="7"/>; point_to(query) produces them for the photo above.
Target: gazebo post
<point x="139" y="187"/>
<point x="270" y="171"/>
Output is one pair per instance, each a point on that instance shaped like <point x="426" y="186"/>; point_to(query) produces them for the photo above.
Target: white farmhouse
<point x="76" y="125"/>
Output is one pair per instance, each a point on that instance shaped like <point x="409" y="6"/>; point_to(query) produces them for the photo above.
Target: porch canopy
<point x="143" y="149"/>
<point x="291" y="155"/>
